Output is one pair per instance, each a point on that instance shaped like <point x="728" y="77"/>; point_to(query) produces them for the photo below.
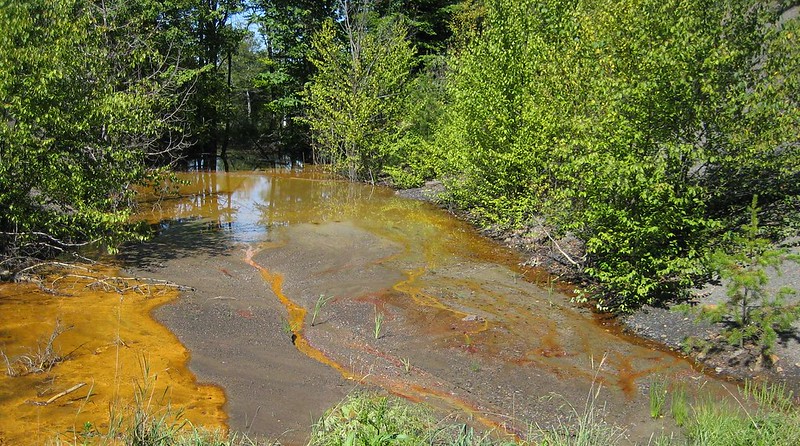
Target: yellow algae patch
<point x="108" y="339"/>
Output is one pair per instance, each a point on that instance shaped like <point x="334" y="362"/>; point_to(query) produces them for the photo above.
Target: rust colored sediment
<point x="113" y="345"/>
<point x="408" y="288"/>
<point x="296" y="318"/>
<point x="411" y="391"/>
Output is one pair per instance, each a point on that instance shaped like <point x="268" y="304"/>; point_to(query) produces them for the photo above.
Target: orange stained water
<point x="458" y="290"/>
<point x="457" y="293"/>
<point x="112" y="346"/>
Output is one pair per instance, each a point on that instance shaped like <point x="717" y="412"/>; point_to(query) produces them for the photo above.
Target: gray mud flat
<point x="235" y="331"/>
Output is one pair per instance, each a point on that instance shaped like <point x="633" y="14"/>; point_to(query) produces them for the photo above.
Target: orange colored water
<point x="451" y="298"/>
<point x="109" y="339"/>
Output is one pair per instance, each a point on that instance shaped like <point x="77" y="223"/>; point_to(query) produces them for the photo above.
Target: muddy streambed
<point x="411" y="301"/>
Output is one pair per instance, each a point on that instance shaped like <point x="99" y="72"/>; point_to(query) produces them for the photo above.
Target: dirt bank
<point x="235" y="332"/>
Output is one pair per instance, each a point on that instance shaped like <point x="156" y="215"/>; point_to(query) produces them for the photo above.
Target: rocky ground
<point x="665" y="326"/>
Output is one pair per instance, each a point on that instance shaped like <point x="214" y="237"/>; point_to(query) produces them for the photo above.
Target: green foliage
<point x="364" y="420"/>
<point x="356" y="98"/>
<point x="752" y="312"/>
<point x="87" y="99"/>
<point x="428" y="20"/>
<point x="370" y="420"/>
<point x="414" y="157"/>
<point x="643" y="127"/>
<point x="282" y="69"/>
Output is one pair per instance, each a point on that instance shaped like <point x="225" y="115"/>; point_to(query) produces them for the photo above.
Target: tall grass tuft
<point x="378" y="323"/>
<point x="151" y="420"/>
<point x="321" y="302"/>
<point x="719" y="424"/>
<point x="587" y="428"/>
<point x="679" y="406"/>
<point x="658" y="397"/>
<point x="773" y="396"/>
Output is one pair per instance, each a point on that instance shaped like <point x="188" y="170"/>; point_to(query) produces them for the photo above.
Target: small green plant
<point x="321" y="302"/>
<point x="286" y="327"/>
<point x="679" y="406"/>
<point x="691" y="344"/>
<point x="658" y="397"/>
<point x="363" y="419"/>
<point x="378" y="323"/>
<point x="463" y="435"/>
<point x="406" y="365"/>
<point x="662" y="440"/>
<point x="753" y="314"/>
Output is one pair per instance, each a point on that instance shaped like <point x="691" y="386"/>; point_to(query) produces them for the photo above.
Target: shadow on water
<point x="175" y="239"/>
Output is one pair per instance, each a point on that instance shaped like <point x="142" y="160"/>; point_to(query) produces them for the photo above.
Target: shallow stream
<point x="408" y="299"/>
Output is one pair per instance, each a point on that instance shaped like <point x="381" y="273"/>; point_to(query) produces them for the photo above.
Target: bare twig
<point x="39" y="361"/>
<point x="60" y="394"/>
<point x="578" y="264"/>
<point x="123" y="285"/>
<point x="21" y="272"/>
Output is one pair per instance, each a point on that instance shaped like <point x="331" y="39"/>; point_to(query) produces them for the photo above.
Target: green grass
<point x="321" y="302"/>
<point x="715" y="424"/>
<point x="658" y="397"/>
<point x="679" y="406"/>
<point x="378" y="323"/>
<point x="764" y="415"/>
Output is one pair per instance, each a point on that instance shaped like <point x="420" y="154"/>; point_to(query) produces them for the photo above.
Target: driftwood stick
<point x="579" y="265"/>
<point x="66" y="392"/>
<point x="59" y="264"/>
